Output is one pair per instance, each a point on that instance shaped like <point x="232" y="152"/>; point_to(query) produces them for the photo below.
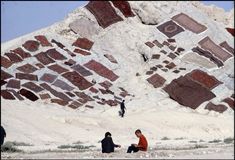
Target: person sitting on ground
<point x="3" y="135"/>
<point x="107" y="143"/>
<point x="142" y="145"/>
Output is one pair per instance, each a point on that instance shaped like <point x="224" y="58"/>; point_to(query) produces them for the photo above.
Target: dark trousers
<point x="123" y="112"/>
<point x="132" y="148"/>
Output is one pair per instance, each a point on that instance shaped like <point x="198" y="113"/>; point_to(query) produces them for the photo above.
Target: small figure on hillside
<point x="3" y="135"/>
<point x="107" y="143"/>
<point x="123" y="108"/>
<point x="142" y="145"/>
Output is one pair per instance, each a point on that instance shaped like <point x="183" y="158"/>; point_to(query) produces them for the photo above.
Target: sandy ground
<point x="214" y="151"/>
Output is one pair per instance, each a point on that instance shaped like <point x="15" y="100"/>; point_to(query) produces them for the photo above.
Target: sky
<point x="22" y="17"/>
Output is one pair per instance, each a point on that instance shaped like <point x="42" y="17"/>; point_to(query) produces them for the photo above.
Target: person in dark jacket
<point x="122" y="108"/>
<point x="107" y="143"/>
<point x="3" y="135"/>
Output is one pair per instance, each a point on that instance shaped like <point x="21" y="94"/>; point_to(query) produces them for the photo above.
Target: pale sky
<point x="22" y="17"/>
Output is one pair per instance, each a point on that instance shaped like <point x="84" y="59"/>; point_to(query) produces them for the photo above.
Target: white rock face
<point x="85" y="27"/>
<point x="150" y="109"/>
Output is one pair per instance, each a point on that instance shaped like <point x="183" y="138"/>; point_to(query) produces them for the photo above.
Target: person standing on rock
<point x="142" y="145"/>
<point x="107" y="143"/>
<point x="122" y="108"/>
<point x="3" y="135"/>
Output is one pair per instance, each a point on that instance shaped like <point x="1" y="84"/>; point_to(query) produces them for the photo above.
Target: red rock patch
<point x="149" y="72"/>
<point x="16" y="94"/>
<point x="58" y="43"/>
<point x="155" y="56"/>
<point x="172" y="55"/>
<point x="33" y="87"/>
<point x="149" y="44"/>
<point x="231" y="31"/>
<point x="27" y="68"/>
<point x="70" y="53"/>
<point x="156" y="80"/>
<point x="226" y="46"/>
<point x="77" y="80"/>
<point x="218" y="108"/>
<point x="57" y="68"/>
<point x="7" y="95"/>
<point x="111" y="102"/>
<point x="208" y="55"/>
<point x="55" y="93"/>
<point x="59" y="101"/>
<point x="157" y="43"/>
<point x="19" y="51"/>
<point x="31" y="45"/>
<point x="106" y="84"/>
<point x="70" y="62"/>
<point x="124" y="7"/>
<point x="44" y="58"/>
<point x="14" y="57"/>
<point x="83" y="43"/>
<point x="230" y="102"/>
<point x="170" y="29"/>
<point x="204" y="79"/>
<point x="29" y="95"/>
<point x="12" y="83"/>
<point x="187" y="92"/>
<point x="39" y="65"/>
<point x="44" y="96"/>
<point x="189" y="23"/>
<point x="84" y="53"/>
<point x="61" y="84"/>
<point x="92" y="89"/>
<point x="53" y="53"/>
<point x="101" y="70"/>
<point x="170" y="65"/>
<point x="207" y="44"/>
<point x="43" y="41"/>
<point x="80" y="69"/>
<point x="47" y="77"/>
<point x="30" y="77"/>
<point x="83" y="96"/>
<point x="5" y="75"/>
<point x="75" y="104"/>
<point x="103" y="12"/>
<point x="70" y="94"/>
<point x="5" y="62"/>
<point x="110" y="58"/>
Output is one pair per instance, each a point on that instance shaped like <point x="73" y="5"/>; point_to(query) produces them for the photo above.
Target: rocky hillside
<point x="173" y="53"/>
